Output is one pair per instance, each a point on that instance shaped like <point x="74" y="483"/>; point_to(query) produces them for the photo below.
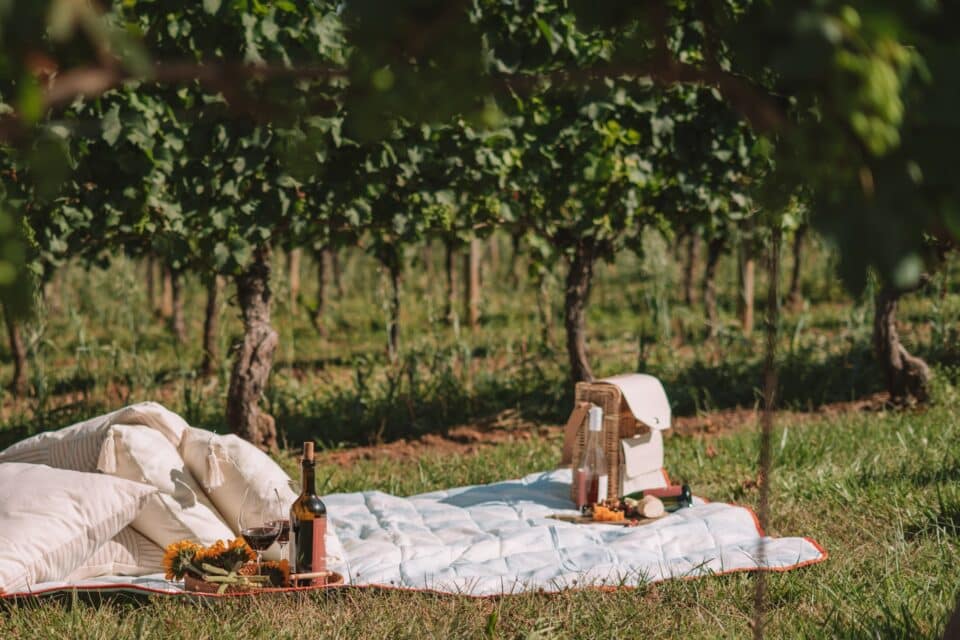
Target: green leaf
<point x="30" y="99"/>
<point x="112" y="125"/>
<point x="491" y="627"/>
<point x="269" y="28"/>
<point x="211" y="6"/>
<point x="221" y="254"/>
<point x="548" y="33"/>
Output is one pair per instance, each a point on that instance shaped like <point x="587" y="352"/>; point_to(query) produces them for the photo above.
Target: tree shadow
<point x="940" y="474"/>
<point x="889" y="622"/>
<point x="555" y="495"/>
<point x="410" y="404"/>
<point x="79" y="382"/>
<point x="941" y="519"/>
<point x="318" y="364"/>
<point x="24" y="426"/>
<point x="434" y="390"/>
<point x="806" y="380"/>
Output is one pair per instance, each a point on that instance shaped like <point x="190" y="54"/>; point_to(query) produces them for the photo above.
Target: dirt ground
<point x="509" y="426"/>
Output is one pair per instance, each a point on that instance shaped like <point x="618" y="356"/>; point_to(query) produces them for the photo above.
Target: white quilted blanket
<point x="496" y="539"/>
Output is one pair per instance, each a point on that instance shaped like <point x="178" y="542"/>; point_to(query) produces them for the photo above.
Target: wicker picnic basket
<point x="619" y="422"/>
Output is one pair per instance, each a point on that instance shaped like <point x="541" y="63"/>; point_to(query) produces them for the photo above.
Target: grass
<point x="878" y="490"/>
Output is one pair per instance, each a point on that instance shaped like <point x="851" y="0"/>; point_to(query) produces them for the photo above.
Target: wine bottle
<point x="308" y="522"/>
<point x="674" y="497"/>
<point x="591" y="475"/>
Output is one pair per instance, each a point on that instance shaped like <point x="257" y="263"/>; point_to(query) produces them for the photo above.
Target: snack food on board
<point x="602" y="513"/>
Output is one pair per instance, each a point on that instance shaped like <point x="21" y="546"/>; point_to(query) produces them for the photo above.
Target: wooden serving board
<point x="638" y="522"/>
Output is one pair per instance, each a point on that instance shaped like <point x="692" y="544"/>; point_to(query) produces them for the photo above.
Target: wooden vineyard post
<point x="471" y="267"/>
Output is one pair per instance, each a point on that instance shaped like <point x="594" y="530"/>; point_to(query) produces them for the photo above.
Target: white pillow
<point x="227" y="466"/>
<point x="127" y="554"/>
<point x="180" y="511"/>
<point x="52" y="520"/>
<point x="79" y="446"/>
<point x="155" y="416"/>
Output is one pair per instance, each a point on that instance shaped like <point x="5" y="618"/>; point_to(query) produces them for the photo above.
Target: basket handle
<point x="577" y="417"/>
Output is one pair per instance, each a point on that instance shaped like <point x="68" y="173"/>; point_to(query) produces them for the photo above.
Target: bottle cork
<point x="308" y="451"/>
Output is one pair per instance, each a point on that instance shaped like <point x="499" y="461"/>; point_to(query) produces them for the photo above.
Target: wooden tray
<point x="195" y="585"/>
<point x="636" y="522"/>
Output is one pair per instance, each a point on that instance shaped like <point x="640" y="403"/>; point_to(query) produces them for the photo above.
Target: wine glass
<point x="258" y="523"/>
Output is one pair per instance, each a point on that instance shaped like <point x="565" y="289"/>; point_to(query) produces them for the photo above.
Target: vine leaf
<point x="112" y="125"/>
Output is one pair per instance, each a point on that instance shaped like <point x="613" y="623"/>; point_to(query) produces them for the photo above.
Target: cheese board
<point x="572" y="519"/>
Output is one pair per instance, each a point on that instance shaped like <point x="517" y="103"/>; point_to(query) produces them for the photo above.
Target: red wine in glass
<point x="260" y="538"/>
<point x="284" y="536"/>
<point x="257" y="524"/>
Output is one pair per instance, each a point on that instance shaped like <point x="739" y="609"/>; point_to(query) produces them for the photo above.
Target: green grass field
<point x="878" y="489"/>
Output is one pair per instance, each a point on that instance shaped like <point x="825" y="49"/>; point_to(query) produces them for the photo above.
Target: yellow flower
<point x="220" y="554"/>
<point x="178" y="554"/>
<point x="239" y="544"/>
<point x="285" y="571"/>
<point x="211" y="553"/>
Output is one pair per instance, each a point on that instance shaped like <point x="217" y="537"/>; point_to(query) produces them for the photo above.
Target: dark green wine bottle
<point x="308" y="522"/>
<point x="673" y="497"/>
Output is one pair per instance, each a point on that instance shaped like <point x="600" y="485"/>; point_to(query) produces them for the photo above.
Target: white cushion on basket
<point x="642" y="458"/>
<point x="227" y="466"/>
<point x="79" y="446"/>
<point x="645" y="396"/>
<point x="52" y="520"/>
<point x="126" y="554"/>
<point x="180" y="511"/>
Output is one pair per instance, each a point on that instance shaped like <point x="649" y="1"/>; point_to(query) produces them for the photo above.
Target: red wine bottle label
<point x="319" y="559"/>
<point x="581" y="482"/>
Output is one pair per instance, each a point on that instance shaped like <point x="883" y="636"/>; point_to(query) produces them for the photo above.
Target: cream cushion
<point x="180" y="510"/>
<point x="79" y="446"/>
<point x="227" y="466"/>
<point x="52" y="520"/>
<point x="126" y="554"/>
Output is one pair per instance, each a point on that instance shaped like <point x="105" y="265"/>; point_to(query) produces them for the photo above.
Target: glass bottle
<point x="308" y="522"/>
<point x="590" y="475"/>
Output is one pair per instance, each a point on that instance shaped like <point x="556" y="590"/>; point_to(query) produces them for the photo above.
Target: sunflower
<point x="243" y="549"/>
<point x="225" y="555"/>
<point x="278" y="572"/>
<point x="189" y="557"/>
<point x="177" y="556"/>
<point x="211" y="553"/>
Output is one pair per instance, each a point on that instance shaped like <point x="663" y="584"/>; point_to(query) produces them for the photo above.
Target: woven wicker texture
<point x="618" y="423"/>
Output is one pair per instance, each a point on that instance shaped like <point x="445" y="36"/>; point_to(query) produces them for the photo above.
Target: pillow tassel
<point x="107" y="462"/>
<point x="214" y="473"/>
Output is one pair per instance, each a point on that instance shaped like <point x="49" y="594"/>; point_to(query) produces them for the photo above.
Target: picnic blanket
<point x="496" y="539"/>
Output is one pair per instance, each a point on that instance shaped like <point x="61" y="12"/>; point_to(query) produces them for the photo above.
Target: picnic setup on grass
<point x="138" y="500"/>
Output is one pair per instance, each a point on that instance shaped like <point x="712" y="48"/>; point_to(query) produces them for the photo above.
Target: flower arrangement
<point x="225" y="565"/>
